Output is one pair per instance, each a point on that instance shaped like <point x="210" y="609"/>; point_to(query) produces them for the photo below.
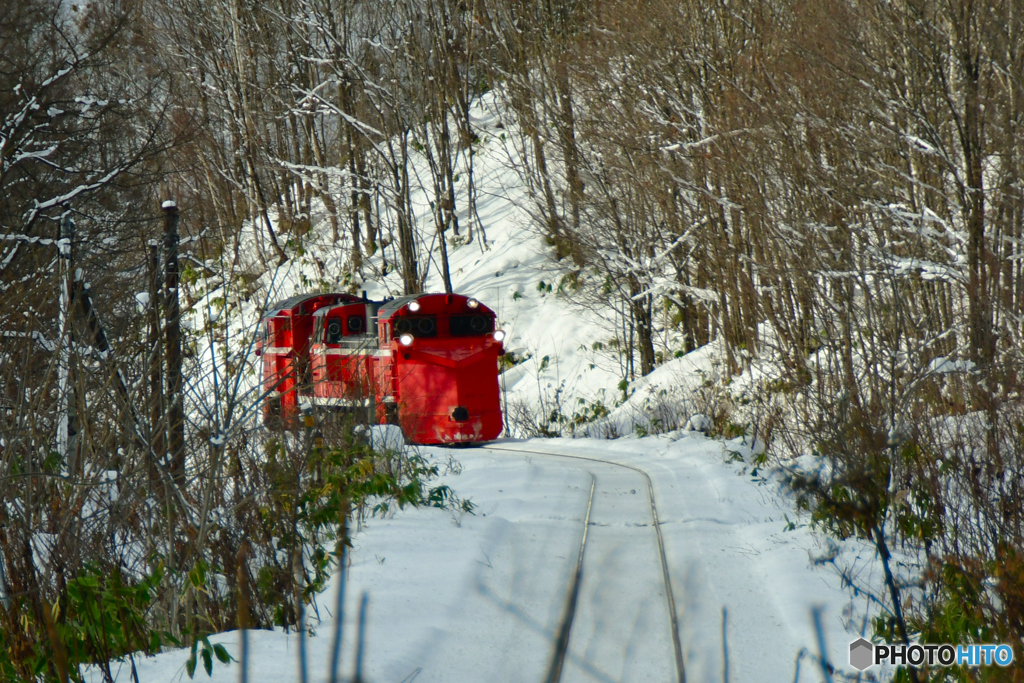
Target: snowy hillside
<point x="567" y="362"/>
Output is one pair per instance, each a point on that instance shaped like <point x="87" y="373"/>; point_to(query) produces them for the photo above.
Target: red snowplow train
<point x="425" y="362"/>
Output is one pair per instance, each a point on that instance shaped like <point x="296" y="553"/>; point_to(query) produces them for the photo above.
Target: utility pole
<point x="172" y="346"/>
<point x="67" y="428"/>
<point x="157" y="426"/>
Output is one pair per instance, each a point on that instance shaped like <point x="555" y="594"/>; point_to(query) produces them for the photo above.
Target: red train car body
<point x="427" y="362"/>
<point x="283" y="343"/>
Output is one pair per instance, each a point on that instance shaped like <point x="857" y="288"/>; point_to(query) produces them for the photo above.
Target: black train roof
<point x="390" y="307"/>
<point x="293" y="301"/>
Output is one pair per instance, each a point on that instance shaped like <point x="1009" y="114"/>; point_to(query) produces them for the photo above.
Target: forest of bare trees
<point x="835" y="186"/>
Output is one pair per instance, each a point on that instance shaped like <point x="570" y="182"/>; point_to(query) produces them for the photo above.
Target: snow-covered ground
<point x="460" y="597"/>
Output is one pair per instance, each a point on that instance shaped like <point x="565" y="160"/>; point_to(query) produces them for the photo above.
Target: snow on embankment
<point x="680" y="394"/>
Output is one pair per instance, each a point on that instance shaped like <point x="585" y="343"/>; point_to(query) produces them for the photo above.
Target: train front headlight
<point x="499" y="335"/>
<point x="405" y="340"/>
<point x="473" y="303"/>
<point x="414" y="306"/>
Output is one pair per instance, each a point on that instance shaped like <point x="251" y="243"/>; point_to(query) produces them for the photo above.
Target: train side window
<point x="334" y="331"/>
<point x="318" y="329"/>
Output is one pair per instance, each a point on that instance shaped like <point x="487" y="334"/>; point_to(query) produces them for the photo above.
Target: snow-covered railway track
<point x="600" y="630"/>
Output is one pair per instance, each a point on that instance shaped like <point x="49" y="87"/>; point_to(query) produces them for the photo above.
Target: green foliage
<point x="732" y="430"/>
<point x="511" y="359"/>
<point x="99" y="617"/>
<point x="585" y="412"/>
<point x="188" y="275"/>
<point x="962" y="611"/>
<point x="310" y="497"/>
<point x="624" y="388"/>
<point x="8" y="670"/>
<point x="106" y="617"/>
<point x="854" y="499"/>
<point x="569" y="282"/>
<point x="445" y="498"/>
<point x="202" y="649"/>
<point x="922" y="520"/>
<point x="590" y="411"/>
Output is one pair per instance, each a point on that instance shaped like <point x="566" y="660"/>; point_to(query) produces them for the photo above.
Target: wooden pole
<point x="172" y="346"/>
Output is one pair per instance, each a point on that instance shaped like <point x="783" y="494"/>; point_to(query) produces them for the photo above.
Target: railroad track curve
<point x="563" y="636"/>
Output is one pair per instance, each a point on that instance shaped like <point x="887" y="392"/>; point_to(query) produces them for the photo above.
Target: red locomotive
<point x="426" y="362"/>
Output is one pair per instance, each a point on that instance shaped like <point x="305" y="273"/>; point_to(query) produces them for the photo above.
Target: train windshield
<point x="470" y="325"/>
<point x="418" y="326"/>
<point x="332" y="331"/>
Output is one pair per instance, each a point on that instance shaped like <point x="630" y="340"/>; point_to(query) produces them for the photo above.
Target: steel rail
<point x="673" y="617"/>
<point x="565" y="626"/>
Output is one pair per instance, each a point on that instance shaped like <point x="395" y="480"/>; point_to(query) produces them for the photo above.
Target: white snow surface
<point x="478" y="597"/>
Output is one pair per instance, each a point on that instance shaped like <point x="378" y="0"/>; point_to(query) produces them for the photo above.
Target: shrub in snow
<point x="698" y="423"/>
